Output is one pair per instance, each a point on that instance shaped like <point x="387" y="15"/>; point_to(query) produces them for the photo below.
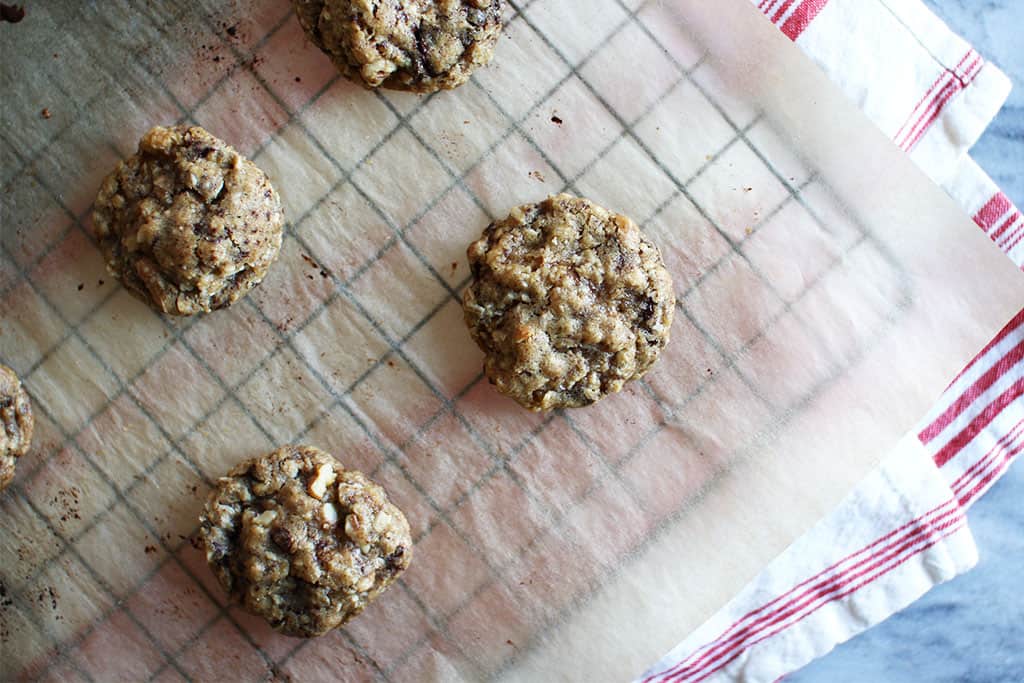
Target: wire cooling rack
<point x="101" y="578"/>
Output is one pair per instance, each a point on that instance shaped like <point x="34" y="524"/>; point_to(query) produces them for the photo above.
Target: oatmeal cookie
<point x="16" y="419"/>
<point x="301" y="541"/>
<point x="417" y="45"/>
<point x="568" y="301"/>
<point x="187" y="224"/>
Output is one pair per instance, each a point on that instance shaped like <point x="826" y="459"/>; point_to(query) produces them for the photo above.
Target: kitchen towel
<point x="903" y="529"/>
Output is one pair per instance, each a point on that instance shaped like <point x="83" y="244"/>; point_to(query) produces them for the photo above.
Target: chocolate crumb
<point x="100" y="283"/>
<point x="231" y="31"/>
<point x="45" y="113"/>
<point x="12" y="13"/>
<point x="150" y="549"/>
<point x="556" y="120"/>
<point x="81" y="286"/>
<point x="298" y="79"/>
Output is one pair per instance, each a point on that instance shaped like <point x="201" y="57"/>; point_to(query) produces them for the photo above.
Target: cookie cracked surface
<point x="16" y="424"/>
<point x="417" y="45"/>
<point x="301" y="541"/>
<point x="187" y="224"/>
<point x="568" y="301"/>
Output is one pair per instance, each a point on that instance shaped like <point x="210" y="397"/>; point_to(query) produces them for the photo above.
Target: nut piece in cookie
<point x="301" y="541"/>
<point x="16" y="424"/>
<point x="417" y="45"/>
<point x="568" y="301"/>
<point x="187" y="224"/>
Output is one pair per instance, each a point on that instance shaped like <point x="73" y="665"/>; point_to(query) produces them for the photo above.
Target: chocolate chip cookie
<point x="303" y="542"/>
<point x="417" y="45"/>
<point x="187" y="224"/>
<point x="568" y="301"/>
<point x="17" y="422"/>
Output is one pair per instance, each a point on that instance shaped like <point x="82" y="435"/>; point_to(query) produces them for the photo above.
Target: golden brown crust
<point x="187" y="224"/>
<point x="568" y="302"/>
<point x="301" y="541"/>
<point x="417" y="45"/>
<point x="16" y="422"/>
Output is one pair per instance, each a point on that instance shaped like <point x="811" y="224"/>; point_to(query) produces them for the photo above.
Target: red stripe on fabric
<point x="944" y="93"/>
<point x="980" y="386"/>
<point x="994" y="473"/>
<point x="980" y="422"/>
<point x="939" y="104"/>
<point x="944" y="75"/>
<point x="1005" y="226"/>
<point x="727" y="633"/>
<point x="936" y="107"/>
<point x="972" y="71"/>
<point x="949" y="509"/>
<point x="973" y="471"/>
<point x="994" y="208"/>
<point x="989" y="467"/>
<point x="1014" y="243"/>
<point x="956" y="69"/>
<point x="802" y="18"/>
<point x="1008" y="329"/>
<point x="914" y="526"/>
<point x="947" y="529"/>
<point x="764" y="5"/>
<point x="913" y="112"/>
<point x="782" y="11"/>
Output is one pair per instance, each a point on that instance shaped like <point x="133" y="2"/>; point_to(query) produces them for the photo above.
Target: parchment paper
<point x="827" y="294"/>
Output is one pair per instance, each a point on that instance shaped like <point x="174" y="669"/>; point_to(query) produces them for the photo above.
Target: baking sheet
<point x="827" y="294"/>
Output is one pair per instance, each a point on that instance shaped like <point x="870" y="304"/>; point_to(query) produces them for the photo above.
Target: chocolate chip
<point x="645" y="309"/>
<point x="394" y="559"/>
<point x="12" y="13"/>
<point x="282" y="539"/>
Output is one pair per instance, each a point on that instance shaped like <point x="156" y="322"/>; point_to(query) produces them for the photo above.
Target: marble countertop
<point x="972" y="628"/>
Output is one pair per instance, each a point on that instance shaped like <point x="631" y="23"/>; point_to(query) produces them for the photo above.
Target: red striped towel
<point x="903" y="529"/>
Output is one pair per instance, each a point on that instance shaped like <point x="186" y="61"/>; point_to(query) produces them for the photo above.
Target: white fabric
<point x="902" y="530"/>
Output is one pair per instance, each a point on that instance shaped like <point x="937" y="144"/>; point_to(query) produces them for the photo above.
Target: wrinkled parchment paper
<point x="827" y="293"/>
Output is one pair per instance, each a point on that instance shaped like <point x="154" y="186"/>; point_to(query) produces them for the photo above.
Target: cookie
<point x="417" y="45"/>
<point x="17" y="422"/>
<point x="187" y="224"/>
<point x="568" y="302"/>
<point x="301" y="541"/>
